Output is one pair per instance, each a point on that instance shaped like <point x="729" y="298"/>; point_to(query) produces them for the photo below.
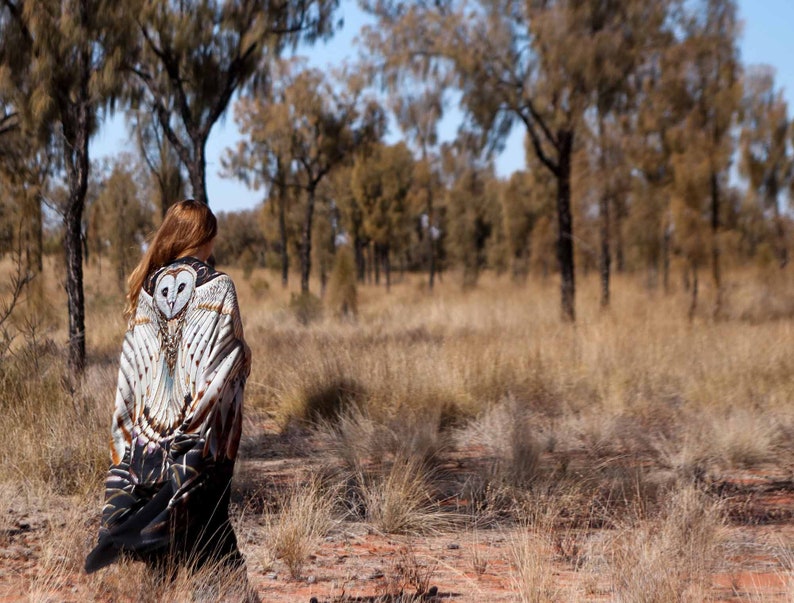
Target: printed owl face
<point x="173" y="291"/>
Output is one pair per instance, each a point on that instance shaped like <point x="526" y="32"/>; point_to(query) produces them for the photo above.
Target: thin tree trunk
<point x="33" y="233"/>
<point x="326" y="265"/>
<point x="77" y="173"/>
<point x="76" y="125"/>
<point x="376" y="262"/>
<point x="617" y="232"/>
<point x="432" y="277"/>
<point x="306" y="243"/>
<point x="387" y="267"/>
<point x="369" y="255"/>
<point x="565" y="227"/>
<point x="605" y="258"/>
<point x="782" y="249"/>
<point x="716" y="271"/>
<point x="694" y="299"/>
<point x="431" y="251"/>
<point x="282" y="233"/>
<point x="666" y="260"/>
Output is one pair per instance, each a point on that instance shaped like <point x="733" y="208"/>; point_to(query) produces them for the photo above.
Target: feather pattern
<point x="178" y="413"/>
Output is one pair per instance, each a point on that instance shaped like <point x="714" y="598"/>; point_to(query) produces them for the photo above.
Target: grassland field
<point x="461" y="445"/>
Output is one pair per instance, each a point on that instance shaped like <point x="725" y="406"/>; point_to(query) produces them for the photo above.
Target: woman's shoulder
<point x="201" y="273"/>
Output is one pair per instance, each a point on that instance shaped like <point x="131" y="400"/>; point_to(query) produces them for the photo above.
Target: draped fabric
<point x="177" y="421"/>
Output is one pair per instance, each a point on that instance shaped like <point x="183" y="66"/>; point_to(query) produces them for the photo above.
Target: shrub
<point x="306" y="307"/>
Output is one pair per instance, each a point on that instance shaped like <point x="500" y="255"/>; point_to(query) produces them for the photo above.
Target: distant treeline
<point x="649" y="143"/>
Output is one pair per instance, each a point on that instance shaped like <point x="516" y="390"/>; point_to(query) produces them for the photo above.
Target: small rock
<point x="311" y="579"/>
<point x="272" y="576"/>
<point x="453" y="546"/>
<point x="375" y="576"/>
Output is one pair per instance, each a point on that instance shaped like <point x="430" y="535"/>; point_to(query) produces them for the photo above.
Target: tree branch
<point x="538" y="146"/>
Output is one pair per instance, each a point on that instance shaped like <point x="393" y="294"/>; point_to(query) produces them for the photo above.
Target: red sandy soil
<point x="355" y="563"/>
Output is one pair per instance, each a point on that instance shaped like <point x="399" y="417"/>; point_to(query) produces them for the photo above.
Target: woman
<point x="178" y="411"/>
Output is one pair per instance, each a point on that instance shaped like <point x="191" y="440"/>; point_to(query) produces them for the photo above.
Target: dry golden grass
<point x="670" y="557"/>
<point x="531" y="553"/>
<point x="397" y="500"/>
<point x="305" y="515"/>
<point x="639" y="378"/>
<point x="600" y="418"/>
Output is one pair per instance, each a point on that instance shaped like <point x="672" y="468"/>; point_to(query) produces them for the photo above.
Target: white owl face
<point x="173" y="291"/>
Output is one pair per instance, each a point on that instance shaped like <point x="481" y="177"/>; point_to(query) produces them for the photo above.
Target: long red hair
<point x="186" y="228"/>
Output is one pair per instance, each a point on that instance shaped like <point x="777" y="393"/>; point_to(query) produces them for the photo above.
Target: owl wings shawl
<point x="177" y="419"/>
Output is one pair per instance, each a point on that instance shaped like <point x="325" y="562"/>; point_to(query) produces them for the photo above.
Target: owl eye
<point x="180" y="288"/>
<point x="164" y="291"/>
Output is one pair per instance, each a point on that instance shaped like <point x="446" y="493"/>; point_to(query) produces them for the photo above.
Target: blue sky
<point x="768" y="37"/>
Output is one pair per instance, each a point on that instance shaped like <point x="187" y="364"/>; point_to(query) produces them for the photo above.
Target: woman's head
<point x="187" y="229"/>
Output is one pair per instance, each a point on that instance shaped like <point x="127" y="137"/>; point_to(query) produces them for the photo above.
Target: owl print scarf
<point x="177" y="419"/>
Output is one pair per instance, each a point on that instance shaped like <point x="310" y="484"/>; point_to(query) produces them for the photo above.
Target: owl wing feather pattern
<point x="190" y="417"/>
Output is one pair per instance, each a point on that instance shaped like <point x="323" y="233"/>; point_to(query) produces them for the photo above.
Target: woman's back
<point x="177" y="421"/>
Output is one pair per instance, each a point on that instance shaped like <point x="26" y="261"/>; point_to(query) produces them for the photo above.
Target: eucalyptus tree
<point x="624" y="38"/>
<point x="26" y="162"/>
<point x="120" y="217"/>
<point x="708" y="92"/>
<point x="767" y="160"/>
<point x="535" y="63"/>
<point x="297" y="135"/>
<point x="381" y="183"/>
<point x="61" y="60"/>
<point x="195" y="55"/>
<point x="520" y="216"/>
<point x="418" y="115"/>
<point x="25" y="170"/>
<point x="649" y="148"/>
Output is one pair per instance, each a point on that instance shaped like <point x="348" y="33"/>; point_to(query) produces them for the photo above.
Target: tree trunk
<point x="76" y="124"/>
<point x="431" y="248"/>
<point x="197" y="169"/>
<point x="306" y="243"/>
<point x="376" y="260"/>
<point x="565" y="226"/>
<point x="361" y="261"/>
<point x="694" y="299"/>
<point x="666" y="259"/>
<point x="617" y="231"/>
<point x="32" y="233"/>
<point x="282" y="233"/>
<point x="716" y="271"/>
<point x="782" y="249"/>
<point x="77" y="173"/>
<point x="605" y="258"/>
<point x="386" y="266"/>
<point x="369" y="256"/>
